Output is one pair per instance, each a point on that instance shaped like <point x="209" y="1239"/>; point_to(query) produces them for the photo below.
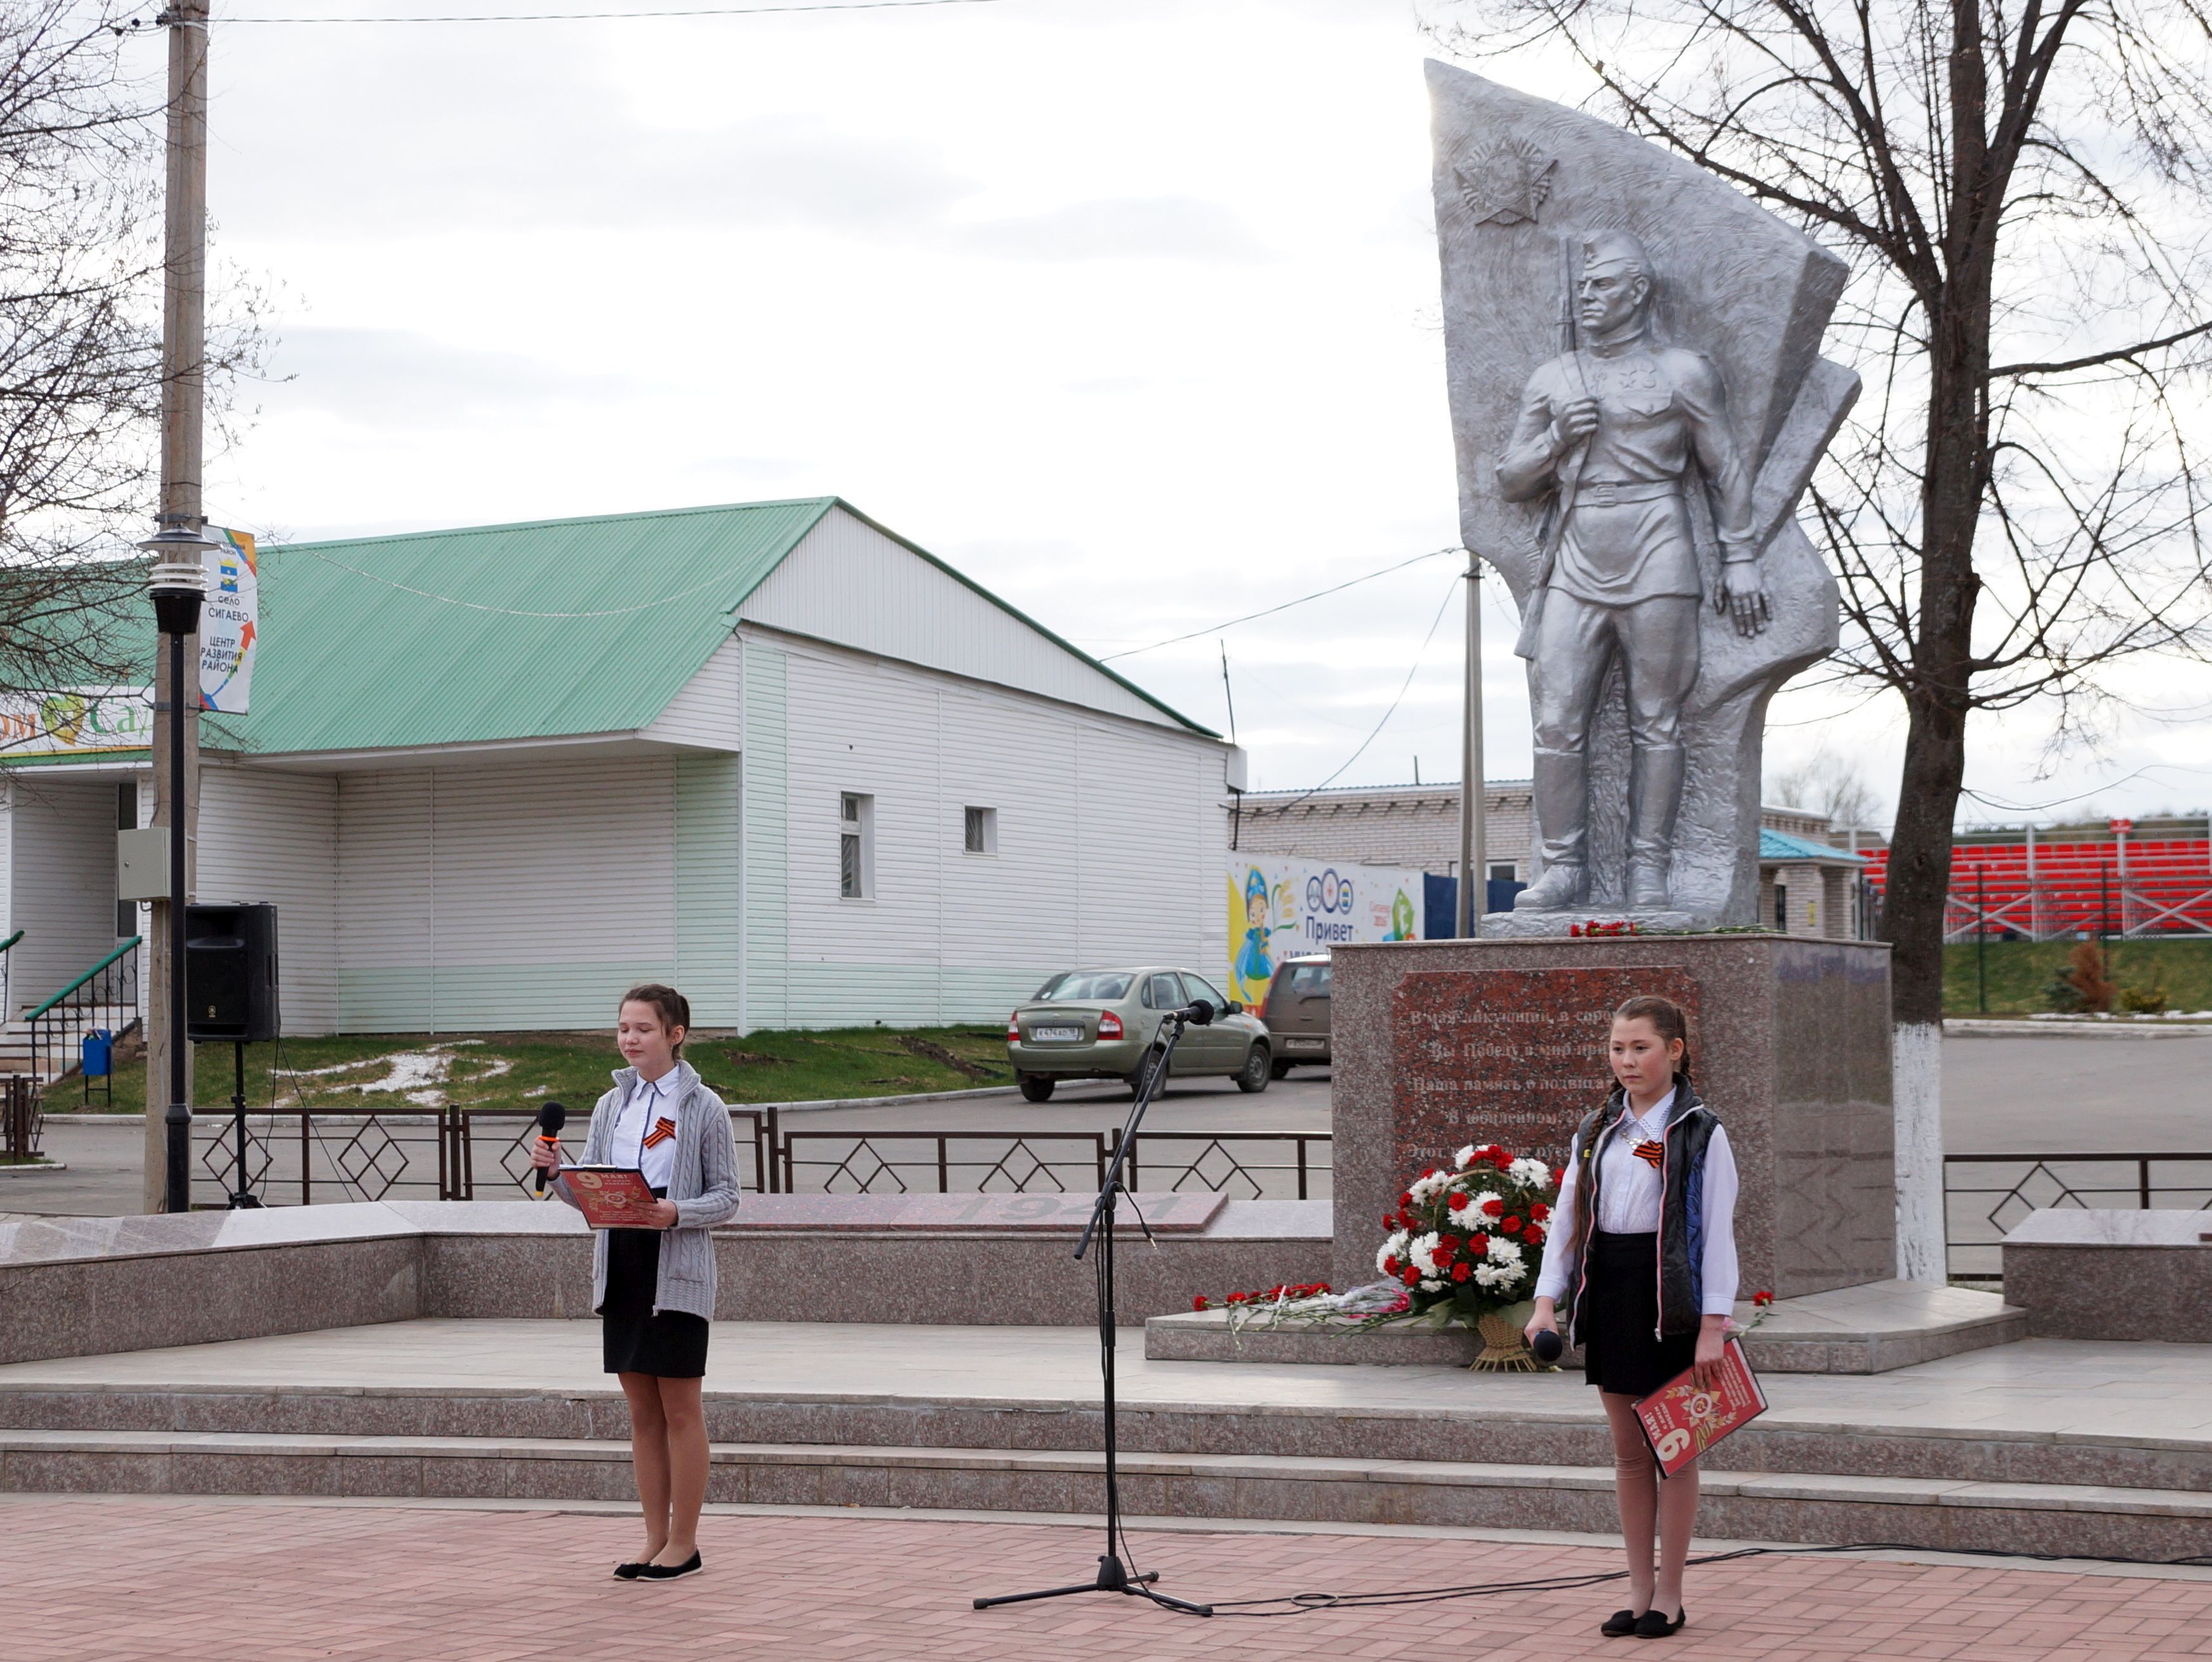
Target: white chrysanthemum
<point x="1393" y="1248"/>
<point x="1530" y="1173"/>
<point x="1425" y="1189"/>
<point x="1503" y="1249"/>
<point x="1422" y="1253"/>
<point x="1496" y="1275"/>
<point x="1464" y="1159"/>
<point x="1483" y="1199"/>
<point x="1432" y="1287"/>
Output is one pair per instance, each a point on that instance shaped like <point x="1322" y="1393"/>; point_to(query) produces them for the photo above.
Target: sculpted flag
<point x="1531" y="199"/>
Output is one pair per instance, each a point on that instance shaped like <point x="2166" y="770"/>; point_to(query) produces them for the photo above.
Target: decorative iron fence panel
<point x="943" y="1162"/>
<point x="1985" y="1195"/>
<point x="1243" y="1165"/>
<point x="302" y="1156"/>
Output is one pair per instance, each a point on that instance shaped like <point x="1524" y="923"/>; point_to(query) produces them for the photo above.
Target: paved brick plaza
<point x="95" y="1578"/>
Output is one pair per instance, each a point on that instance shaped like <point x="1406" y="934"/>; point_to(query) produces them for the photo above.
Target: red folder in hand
<point x="1682" y="1419"/>
<point x="610" y="1196"/>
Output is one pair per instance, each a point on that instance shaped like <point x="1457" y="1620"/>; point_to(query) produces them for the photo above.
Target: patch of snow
<point x="421" y="1077"/>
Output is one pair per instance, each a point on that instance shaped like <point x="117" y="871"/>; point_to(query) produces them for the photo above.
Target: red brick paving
<point x="87" y="1580"/>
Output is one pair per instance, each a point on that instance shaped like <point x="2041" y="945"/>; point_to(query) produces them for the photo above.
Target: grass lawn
<point x="2020" y="973"/>
<point x="520" y="1070"/>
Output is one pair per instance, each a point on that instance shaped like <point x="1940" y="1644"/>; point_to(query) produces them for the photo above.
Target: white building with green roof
<point x="773" y="752"/>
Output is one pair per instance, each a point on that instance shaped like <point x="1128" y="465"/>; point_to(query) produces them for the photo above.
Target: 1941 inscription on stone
<point x="1515" y="1056"/>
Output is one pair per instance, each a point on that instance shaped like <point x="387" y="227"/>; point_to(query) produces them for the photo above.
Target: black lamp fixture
<point x="178" y="584"/>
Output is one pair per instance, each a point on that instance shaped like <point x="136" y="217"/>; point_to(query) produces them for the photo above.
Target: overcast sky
<point x="1126" y="307"/>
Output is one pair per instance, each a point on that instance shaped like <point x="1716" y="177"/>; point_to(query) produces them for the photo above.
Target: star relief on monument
<point x="1506" y="184"/>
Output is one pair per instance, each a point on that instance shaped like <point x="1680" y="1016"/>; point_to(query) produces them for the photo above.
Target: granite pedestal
<point x="2088" y="1274"/>
<point x="1442" y="1043"/>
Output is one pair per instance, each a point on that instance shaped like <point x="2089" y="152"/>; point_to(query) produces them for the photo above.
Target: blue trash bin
<point x="99" y="1053"/>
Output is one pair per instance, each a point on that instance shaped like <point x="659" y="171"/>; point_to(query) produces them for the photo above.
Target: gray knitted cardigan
<point x="703" y="1185"/>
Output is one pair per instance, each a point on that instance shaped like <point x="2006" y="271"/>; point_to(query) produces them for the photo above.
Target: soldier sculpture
<point x="1611" y="435"/>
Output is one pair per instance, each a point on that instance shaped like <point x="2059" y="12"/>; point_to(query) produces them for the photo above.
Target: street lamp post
<point x="178" y="583"/>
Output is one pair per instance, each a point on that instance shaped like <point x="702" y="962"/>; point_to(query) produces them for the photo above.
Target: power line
<point x="1403" y="689"/>
<point x="624" y="17"/>
<point x="1269" y="611"/>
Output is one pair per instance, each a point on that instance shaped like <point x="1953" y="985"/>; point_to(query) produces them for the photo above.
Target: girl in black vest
<point x="1642" y="1259"/>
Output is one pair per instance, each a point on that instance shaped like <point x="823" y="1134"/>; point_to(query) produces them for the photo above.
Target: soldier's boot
<point x="1561" y="790"/>
<point x="1655" y="796"/>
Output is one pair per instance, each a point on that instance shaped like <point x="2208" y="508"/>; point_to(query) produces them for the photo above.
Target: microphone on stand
<point x="1199" y="1015"/>
<point x="550" y="1118"/>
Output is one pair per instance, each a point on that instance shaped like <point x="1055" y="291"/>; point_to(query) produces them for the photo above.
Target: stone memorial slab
<point x="1022" y="1215"/>
<point x="1515" y="1057"/>
<point x="1442" y="1043"/>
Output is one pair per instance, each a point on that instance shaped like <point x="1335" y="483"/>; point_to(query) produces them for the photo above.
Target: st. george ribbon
<point x="550" y="1118"/>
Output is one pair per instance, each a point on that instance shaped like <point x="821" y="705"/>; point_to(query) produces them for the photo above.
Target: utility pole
<point x="1473" y="868"/>
<point x="181" y="539"/>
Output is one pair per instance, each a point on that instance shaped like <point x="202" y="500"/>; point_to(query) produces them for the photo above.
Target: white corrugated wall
<point x="1109" y="842"/>
<point x="849" y="583"/>
<point x="478" y="896"/>
<point x="61" y="837"/>
<point x="272" y="838"/>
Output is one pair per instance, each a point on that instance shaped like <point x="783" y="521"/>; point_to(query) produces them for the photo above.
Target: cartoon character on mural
<point x="1402" y="927"/>
<point x="1255" y="966"/>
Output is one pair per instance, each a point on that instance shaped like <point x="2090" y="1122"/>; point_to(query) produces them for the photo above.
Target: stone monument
<point x="1637" y="401"/>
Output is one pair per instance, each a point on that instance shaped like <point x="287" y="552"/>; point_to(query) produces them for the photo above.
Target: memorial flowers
<point x="1467" y="1243"/>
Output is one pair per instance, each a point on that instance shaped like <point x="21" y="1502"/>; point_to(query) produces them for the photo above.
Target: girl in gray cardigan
<point x="654" y="1288"/>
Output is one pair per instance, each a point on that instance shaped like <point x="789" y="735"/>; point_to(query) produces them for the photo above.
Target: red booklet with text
<point x="1682" y="1419"/>
<point x="610" y="1196"/>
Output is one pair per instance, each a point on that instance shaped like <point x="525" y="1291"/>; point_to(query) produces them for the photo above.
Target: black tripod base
<point x="1112" y="1578"/>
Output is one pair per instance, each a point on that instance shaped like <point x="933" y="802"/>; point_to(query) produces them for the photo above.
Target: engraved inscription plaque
<point x="1515" y="1056"/>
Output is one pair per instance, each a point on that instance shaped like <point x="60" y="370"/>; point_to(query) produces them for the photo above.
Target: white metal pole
<point x="1472" y="858"/>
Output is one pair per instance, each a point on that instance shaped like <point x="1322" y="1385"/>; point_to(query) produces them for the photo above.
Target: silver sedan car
<point x="1099" y="1023"/>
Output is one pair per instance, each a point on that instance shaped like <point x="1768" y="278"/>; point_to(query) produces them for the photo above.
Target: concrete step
<point x="1778" y="1443"/>
<point x="2063" y="1519"/>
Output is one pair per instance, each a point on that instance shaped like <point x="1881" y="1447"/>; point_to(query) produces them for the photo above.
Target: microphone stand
<point x="1113" y="1574"/>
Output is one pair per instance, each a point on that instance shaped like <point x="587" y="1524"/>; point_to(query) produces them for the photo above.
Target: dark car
<point x="1297" y="1013"/>
<point x="1098" y="1024"/>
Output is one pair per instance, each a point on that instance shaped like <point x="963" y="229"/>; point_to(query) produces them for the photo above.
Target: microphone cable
<point x="1306" y="1604"/>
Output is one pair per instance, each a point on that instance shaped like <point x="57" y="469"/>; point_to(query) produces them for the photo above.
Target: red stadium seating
<point x="2079" y="888"/>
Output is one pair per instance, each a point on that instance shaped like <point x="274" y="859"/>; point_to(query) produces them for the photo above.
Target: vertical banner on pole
<point x="229" y="622"/>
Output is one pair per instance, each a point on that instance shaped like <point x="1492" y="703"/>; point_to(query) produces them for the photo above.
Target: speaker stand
<point x="243" y="1196"/>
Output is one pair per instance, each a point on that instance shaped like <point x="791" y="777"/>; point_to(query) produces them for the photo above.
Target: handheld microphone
<point x="1199" y="1015"/>
<point x="550" y="1118"/>
<point x="1548" y="1346"/>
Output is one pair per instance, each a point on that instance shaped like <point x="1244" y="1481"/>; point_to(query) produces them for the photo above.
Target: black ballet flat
<point x="692" y="1566"/>
<point x="1652" y="1625"/>
<point x="628" y="1572"/>
<point x="1620" y="1624"/>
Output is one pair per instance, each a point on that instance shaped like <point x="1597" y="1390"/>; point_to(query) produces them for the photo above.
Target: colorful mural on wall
<point x="1279" y="907"/>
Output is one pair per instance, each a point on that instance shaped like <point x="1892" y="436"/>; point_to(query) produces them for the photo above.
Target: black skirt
<point x="1618" y="1319"/>
<point x="634" y="1338"/>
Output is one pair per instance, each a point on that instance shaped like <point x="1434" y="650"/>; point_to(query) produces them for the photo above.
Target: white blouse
<point x="650" y="1104"/>
<point x="1630" y="1191"/>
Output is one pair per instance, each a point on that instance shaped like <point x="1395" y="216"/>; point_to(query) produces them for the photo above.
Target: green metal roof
<point x="506" y="632"/>
<point x="543" y="629"/>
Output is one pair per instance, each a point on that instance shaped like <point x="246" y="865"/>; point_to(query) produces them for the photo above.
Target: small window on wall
<point x="856" y="846"/>
<point x="982" y="830"/>
<point x="1501" y="871"/>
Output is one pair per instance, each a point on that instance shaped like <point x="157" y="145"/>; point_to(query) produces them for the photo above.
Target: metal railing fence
<point x="1978" y="1214"/>
<point x="301" y="1156"/>
<point x="107" y="994"/>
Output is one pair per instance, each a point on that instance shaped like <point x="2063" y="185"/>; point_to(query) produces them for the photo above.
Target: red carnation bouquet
<point x="1468" y="1243"/>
